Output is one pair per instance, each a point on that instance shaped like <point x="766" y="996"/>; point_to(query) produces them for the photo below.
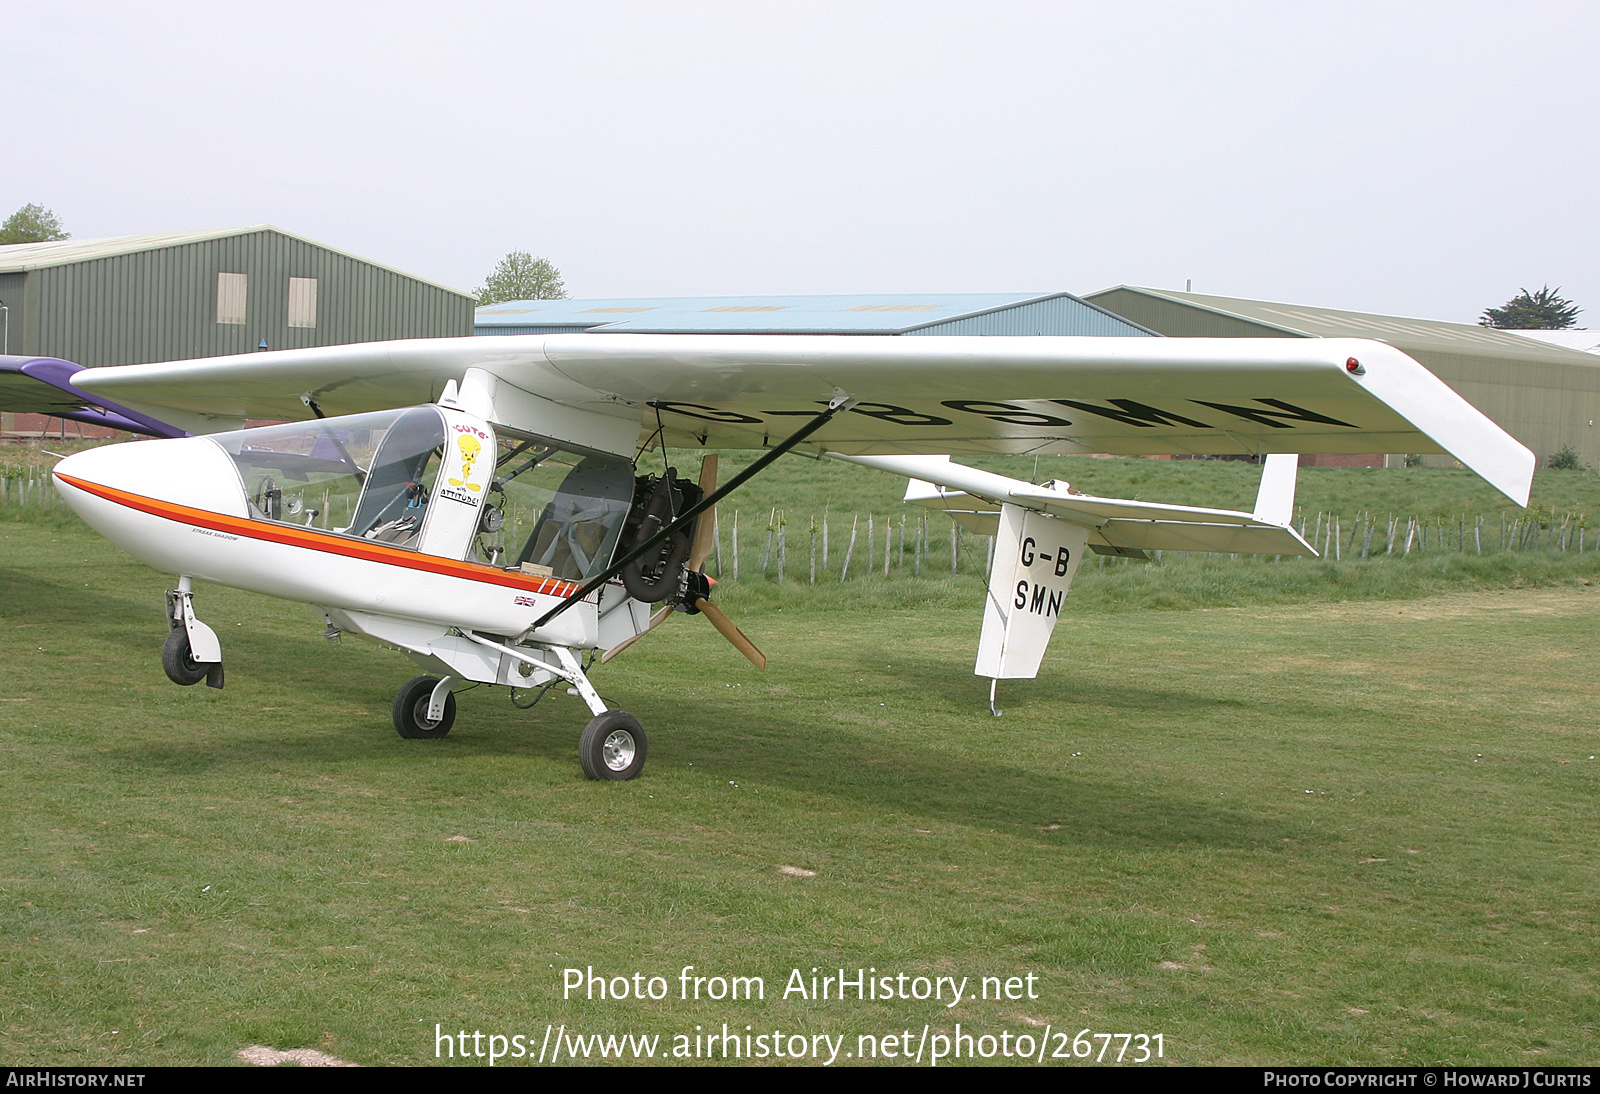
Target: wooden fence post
<point x="844" y="571"/>
<point x="716" y="536"/>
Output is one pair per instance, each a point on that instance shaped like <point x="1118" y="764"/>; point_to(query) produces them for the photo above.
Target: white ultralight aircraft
<point x="475" y="502"/>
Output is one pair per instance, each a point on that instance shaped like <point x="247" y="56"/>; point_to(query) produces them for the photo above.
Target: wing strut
<point x="839" y="402"/>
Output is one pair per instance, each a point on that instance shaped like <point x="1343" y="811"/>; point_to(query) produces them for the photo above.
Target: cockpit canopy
<point x="540" y="506"/>
<point x="367" y="475"/>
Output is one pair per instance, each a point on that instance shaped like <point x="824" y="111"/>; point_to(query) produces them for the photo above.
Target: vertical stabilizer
<point x="1035" y="559"/>
<point x="1275" y="498"/>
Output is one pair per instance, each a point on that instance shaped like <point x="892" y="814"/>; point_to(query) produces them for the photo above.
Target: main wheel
<point x="612" y="746"/>
<point x="178" y="660"/>
<point x="411" y="710"/>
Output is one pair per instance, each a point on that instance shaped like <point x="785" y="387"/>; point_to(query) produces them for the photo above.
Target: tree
<point x="31" y="224"/>
<point x="1565" y="458"/>
<point x="1543" y="310"/>
<point x="520" y="276"/>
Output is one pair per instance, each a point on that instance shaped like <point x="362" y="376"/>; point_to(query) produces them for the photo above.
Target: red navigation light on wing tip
<point x="1354" y="367"/>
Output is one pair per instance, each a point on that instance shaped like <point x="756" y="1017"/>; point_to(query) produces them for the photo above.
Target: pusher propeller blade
<point x="705" y="529"/>
<point x="655" y="621"/>
<point x="733" y="634"/>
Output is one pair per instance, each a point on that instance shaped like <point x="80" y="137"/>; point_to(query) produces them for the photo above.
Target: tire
<point x="411" y="711"/>
<point x="179" y="662"/>
<point x="612" y="747"/>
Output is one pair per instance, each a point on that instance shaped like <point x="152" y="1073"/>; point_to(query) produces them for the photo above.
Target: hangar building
<point x="904" y="313"/>
<point x="1586" y="340"/>
<point x="1544" y="395"/>
<point x="168" y="297"/>
<point x="135" y="299"/>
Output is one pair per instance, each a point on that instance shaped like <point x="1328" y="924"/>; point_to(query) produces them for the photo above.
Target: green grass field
<point x="1349" y="819"/>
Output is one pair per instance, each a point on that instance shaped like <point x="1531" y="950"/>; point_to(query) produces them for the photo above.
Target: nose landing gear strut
<point x="191" y="653"/>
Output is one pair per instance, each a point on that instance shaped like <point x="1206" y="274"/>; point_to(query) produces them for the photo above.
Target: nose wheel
<point x="177" y="659"/>
<point x="191" y="652"/>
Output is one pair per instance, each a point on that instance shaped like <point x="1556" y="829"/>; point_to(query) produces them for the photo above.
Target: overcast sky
<point x="1416" y="159"/>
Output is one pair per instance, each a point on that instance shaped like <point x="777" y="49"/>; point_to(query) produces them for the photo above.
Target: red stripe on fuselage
<point x="326" y="542"/>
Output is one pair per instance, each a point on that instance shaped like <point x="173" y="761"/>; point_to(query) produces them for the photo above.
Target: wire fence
<point x="29" y="490"/>
<point x="841" y="549"/>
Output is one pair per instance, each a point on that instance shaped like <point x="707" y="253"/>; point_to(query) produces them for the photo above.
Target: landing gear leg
<point x="613" y="745"/>
<point x="191" y="653"/>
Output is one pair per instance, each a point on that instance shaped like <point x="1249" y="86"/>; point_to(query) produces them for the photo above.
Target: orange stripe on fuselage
<point x="326" y="542"/>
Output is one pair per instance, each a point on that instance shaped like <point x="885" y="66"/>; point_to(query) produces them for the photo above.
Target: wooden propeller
<point x="705" y="542"/>
<point x="705" y="529"/>
<point x="655" y="621"/>
<point x="733" y="634"/>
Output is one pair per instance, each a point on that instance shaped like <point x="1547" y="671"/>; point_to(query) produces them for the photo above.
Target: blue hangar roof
<point x="901" y="313"/>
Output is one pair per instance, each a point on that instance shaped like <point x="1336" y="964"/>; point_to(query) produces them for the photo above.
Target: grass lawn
<point x="1345" y="831"/>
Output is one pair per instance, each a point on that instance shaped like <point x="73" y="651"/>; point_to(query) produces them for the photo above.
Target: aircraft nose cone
<point x="191" y="472"/>
<point x="91" y="467"/>
<point x="80" y="465"/>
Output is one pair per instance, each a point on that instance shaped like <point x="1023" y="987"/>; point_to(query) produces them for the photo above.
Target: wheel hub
<point x="618" y="750"/>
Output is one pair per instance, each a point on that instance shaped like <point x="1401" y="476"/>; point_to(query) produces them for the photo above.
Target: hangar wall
<point x="138" y="299"/>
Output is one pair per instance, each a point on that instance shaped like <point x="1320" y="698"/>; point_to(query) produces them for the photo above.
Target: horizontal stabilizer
<point x="973" y="498"/>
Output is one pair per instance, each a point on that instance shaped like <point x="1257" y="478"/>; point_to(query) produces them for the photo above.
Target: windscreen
<point x="365" y="475"/>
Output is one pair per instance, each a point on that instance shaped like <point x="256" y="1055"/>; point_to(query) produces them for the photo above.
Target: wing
<point x="918" y="395"/>
<point x="43" y="385"/>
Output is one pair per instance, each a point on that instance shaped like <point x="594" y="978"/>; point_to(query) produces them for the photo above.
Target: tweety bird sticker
<point x="470" y="447"/>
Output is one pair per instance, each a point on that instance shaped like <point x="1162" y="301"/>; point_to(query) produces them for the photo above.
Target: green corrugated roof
<point x="1402" y="332"/>
<point x="21" y="257"/>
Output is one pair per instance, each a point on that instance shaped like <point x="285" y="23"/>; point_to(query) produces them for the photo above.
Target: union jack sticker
<point x="526" y="602"/>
